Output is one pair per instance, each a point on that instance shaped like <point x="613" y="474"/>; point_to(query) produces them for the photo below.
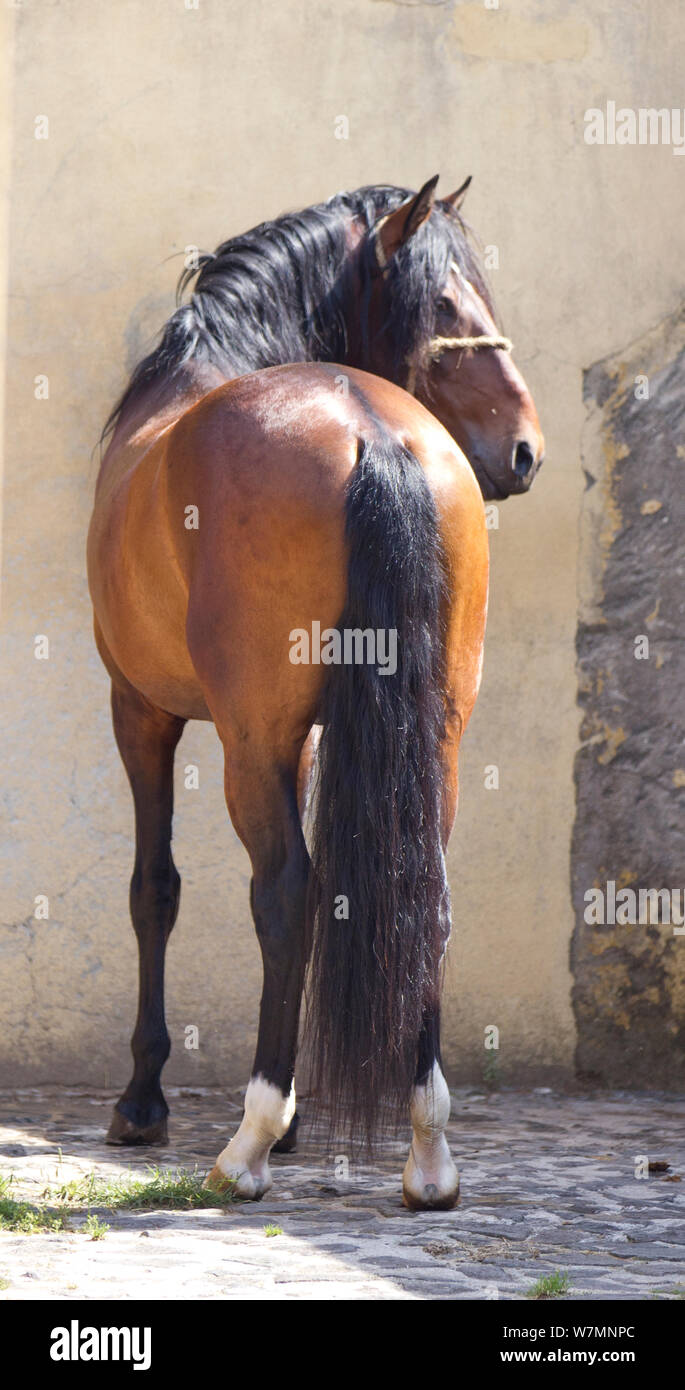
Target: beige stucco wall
<point x="172" y="126"/>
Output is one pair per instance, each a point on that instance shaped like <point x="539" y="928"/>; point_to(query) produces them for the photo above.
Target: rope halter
<point x="436" y="346"/>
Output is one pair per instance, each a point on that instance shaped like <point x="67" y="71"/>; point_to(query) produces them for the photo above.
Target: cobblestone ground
<point x="548" y="1184"/>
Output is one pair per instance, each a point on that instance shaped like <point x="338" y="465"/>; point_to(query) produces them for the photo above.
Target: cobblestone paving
<point x="548" y="1183"/>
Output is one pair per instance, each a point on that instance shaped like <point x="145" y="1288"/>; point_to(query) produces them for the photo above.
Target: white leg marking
<point x="309" y="816"/>
<point x="430" y="1177"/>
<point x="246" y="1158"/>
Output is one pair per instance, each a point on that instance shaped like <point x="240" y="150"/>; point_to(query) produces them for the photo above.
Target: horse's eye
<point x="445" y="307"/>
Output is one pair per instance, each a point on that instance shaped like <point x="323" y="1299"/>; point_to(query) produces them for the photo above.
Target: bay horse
<point x="307" y="449"/>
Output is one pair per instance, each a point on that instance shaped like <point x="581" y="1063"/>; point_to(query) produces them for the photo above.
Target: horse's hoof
<point x="430" y="1181"/>
<point x="432" y="1185"/>
<point x="124" y="1131"/>
<point x="244" y="1185"/>
<point x="430" y="1199"/>
<point x="288" y="1143"/>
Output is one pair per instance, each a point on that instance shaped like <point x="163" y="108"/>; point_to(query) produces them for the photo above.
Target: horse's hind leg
<point x="305" y="783"/>
<point x="147" y="739"/>
<point x="430" y="1181"/>
<point x="261" y="797"/>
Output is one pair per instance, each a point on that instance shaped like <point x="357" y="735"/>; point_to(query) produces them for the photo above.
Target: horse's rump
<point x="232" y="526"/>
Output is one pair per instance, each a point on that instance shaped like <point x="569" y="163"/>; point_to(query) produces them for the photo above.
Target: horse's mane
<point x="281" y="292"/>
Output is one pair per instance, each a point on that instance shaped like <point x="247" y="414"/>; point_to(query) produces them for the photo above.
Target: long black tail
<point x="378" y="905"/>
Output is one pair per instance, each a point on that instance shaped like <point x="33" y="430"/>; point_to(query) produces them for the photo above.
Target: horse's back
<point x="312" y="408"/>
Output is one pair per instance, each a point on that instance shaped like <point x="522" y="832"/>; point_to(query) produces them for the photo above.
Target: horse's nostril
<point x="524" y="459"/>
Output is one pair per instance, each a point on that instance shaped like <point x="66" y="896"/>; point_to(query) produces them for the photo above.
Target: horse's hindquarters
<point x="256" y="484"/>
<point x="139" y="597"/>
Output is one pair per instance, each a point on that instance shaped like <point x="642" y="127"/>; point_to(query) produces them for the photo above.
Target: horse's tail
<point x="378" y="904"/>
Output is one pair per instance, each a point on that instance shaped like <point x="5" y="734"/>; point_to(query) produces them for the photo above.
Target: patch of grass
<point x="24" y="1216"/>
<point x="30" y="1220"/>
<point x="95" y="1228"/>
<point x="550" y="1286"/>
<point x="77" y="1190"/>
<point x="4" y="1283"/>
<point x="273" y="1231"/>
<point x="163" y="1189"/>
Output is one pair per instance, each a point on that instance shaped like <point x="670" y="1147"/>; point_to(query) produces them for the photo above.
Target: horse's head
<point x="431" y="328"/>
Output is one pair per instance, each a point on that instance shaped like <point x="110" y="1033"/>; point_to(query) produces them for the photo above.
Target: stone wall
<point x="629" y="975"/>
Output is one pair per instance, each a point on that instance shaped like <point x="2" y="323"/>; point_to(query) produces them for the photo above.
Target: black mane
<point x="283" y="292"/>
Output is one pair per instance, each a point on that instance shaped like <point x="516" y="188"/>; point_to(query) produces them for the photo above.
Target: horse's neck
<point x="142" y="422"/>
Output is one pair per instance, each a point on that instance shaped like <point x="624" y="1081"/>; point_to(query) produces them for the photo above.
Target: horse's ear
<point x="455" y="200"/>
<point x="397" y="227"/>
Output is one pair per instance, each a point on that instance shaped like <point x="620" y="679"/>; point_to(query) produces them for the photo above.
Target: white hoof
<point x="432" y="1183"/>
<point x="243" y="1166"/>
<point x="242" y="1182"/>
